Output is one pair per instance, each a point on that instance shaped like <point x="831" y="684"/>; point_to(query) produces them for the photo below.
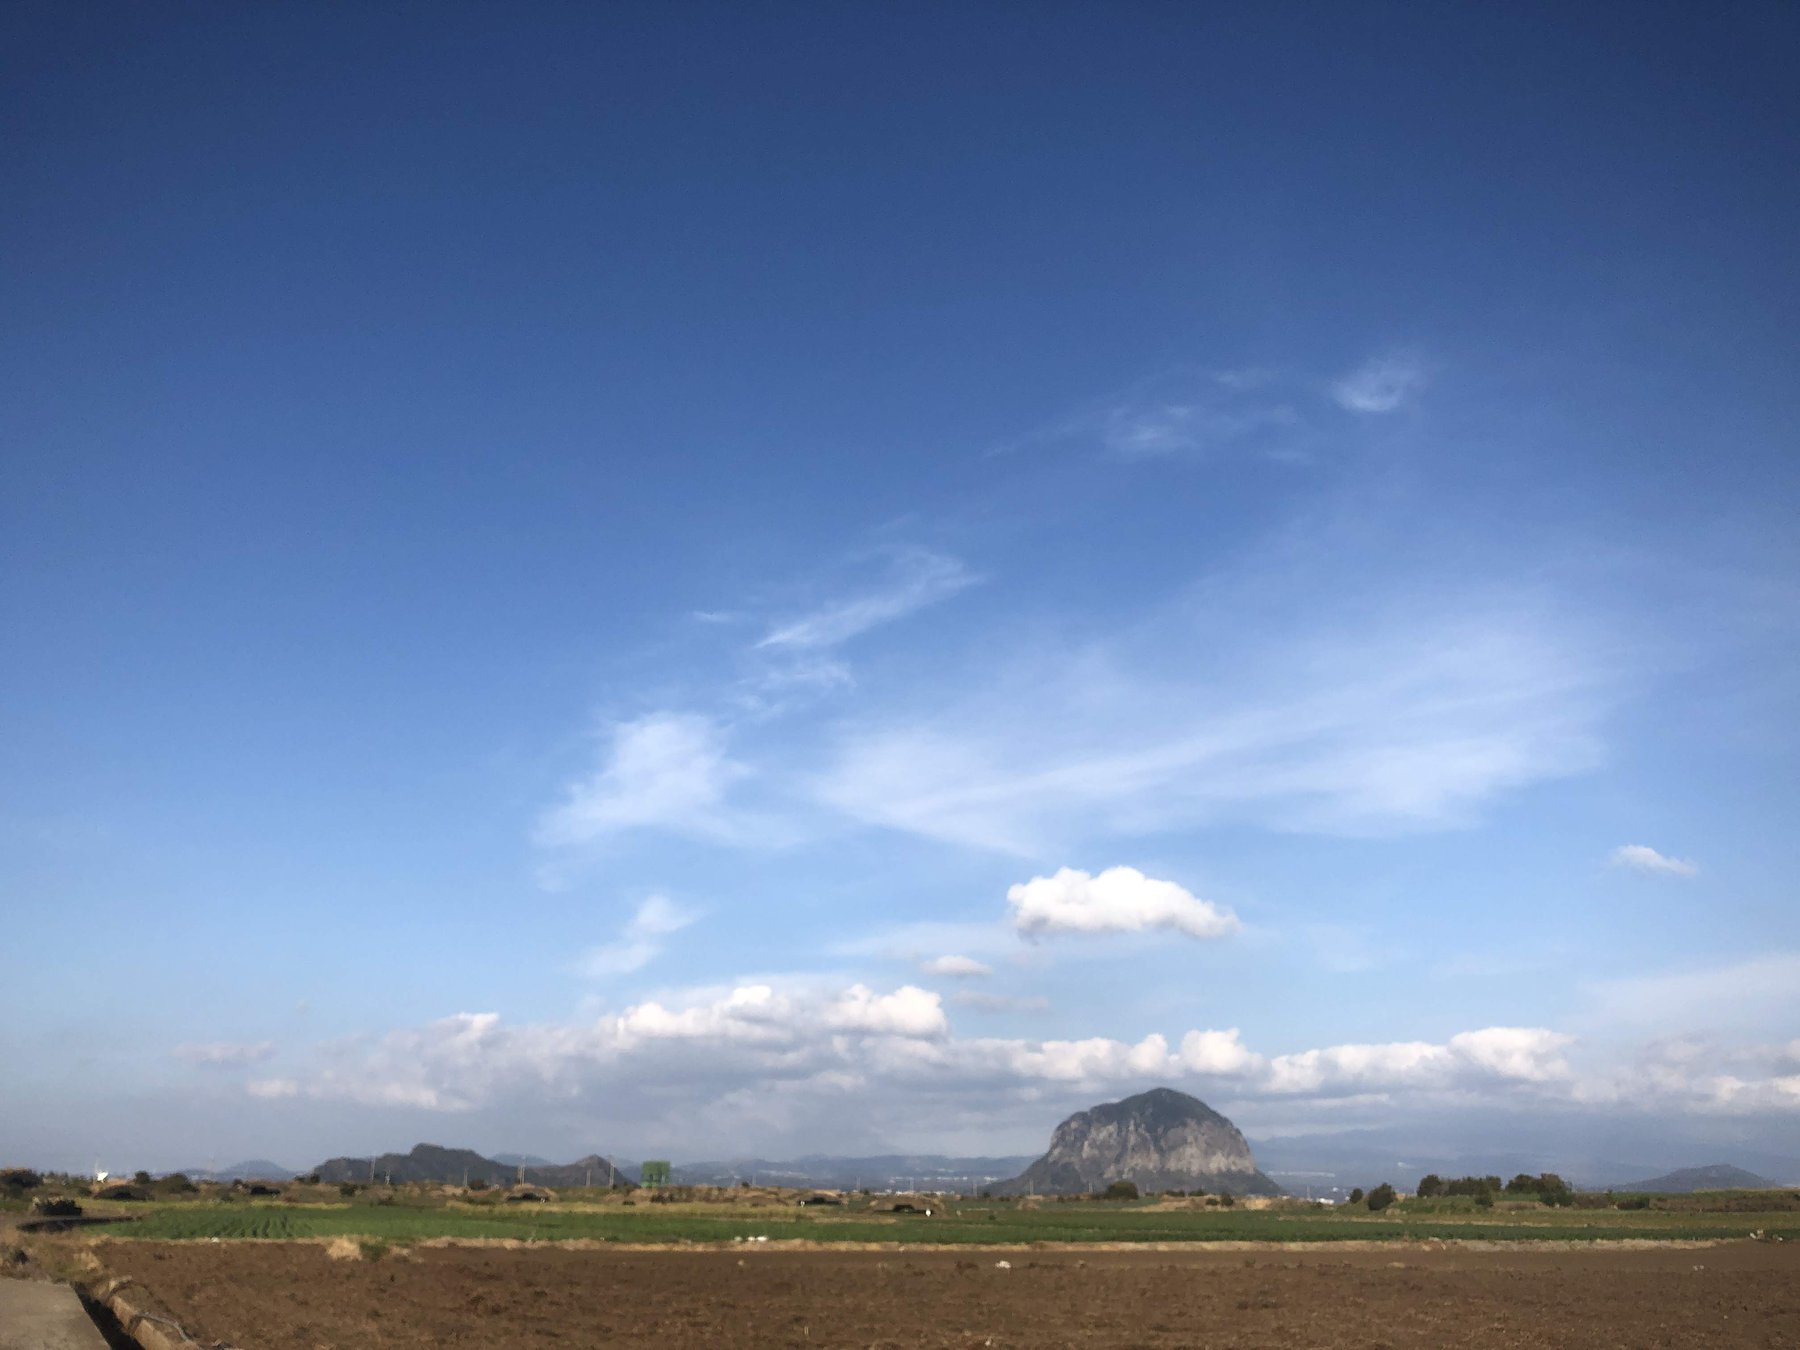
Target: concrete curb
<point x="150" y="1330"/>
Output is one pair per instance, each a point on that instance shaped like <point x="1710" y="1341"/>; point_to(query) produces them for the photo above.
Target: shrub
<point x="1381" y="1197"/>
<point x="19" y="1178"/>
<point x="347" y="1189"/>
<point x="1356" y="1196"/>
<point x="140" y="1178"/>
<point x="1484" y="1200"/>
<point x="1120" y="1190"/>
<point x="1430" y="1186"/>
<point x="1227" y="1199"/>
<point x="56" y="1206"/>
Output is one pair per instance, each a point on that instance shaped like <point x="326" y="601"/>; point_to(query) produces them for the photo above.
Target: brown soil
<point x="293" y="1296"/>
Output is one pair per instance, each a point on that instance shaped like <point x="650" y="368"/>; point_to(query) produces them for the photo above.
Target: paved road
<point x="37" y="1315"/>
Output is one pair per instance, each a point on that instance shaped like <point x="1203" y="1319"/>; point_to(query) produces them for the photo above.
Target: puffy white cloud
<point x="666" y="770"/>
<point x="957" y="967"/>
<point x="1380" y="385"/>
<point x="896" y="1054"/>
<point x="225" y="1054"/>
<point x="1516" y="1055"/>
<point x="1643" y="858"/>
<point x="639" y="942"/>
<point x="1217" y="1053"/>
<point x="1523" y="1054"/>
<point x="1118" y="900"/>
<point x="1340" y="1069"/>
<point x="908" y="1011"/>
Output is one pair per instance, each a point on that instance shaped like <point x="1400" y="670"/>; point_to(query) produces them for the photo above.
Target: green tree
<point x="1356" y="1196"/>
<point x="1121" y="1190"/>
<point x="1381" y="1197"/>
<point x="1430" y="1185"/>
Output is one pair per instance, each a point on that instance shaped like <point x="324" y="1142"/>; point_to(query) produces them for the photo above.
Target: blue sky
<point x="717" y="580"/>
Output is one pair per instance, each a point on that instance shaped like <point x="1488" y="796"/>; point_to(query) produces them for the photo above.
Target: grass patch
<point x="972" y="1224"/>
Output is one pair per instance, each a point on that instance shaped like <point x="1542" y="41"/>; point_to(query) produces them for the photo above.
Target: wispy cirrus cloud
<point x="1408" y="723"/>
<point x="957" y="967"/>
<point x="665" y="770"/>
<point x="1150" y="429"/>
<point x="1383" y="384"/>
<point x="1643" y="858"/>
<point x="639" y="942"/>
<point x="914" y="578"/>
<point x="225" y="1054"/>
<point x="1191" y="412"/>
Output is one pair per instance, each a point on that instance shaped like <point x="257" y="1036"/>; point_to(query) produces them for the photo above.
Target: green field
<point x="967" y="1223"/>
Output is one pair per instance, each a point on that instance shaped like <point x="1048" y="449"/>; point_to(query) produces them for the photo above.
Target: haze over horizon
<point x="704" y="581"/>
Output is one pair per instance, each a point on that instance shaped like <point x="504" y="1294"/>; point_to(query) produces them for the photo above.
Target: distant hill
<point x="884" y="1172"/>
<point x="256" y="1169"/>
<point x="1716" y="1177"/>
<point x="1163" y="1140"/>
<point x="431" y="1162"/>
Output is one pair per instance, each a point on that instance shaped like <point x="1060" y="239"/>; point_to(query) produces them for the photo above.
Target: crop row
<point x="394" y="1223"/>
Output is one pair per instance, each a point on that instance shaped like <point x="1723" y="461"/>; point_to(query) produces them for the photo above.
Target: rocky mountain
<point x="1716" y="1177"/>
<point x="1162" y="1139"/>
<point x="430" y="1162"/>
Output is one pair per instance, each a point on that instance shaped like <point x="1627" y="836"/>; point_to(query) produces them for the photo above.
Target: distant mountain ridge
<point x="1713" y="1177"/>
<point x="255" y="1169"/>
<point x="458" y="1166"/>
<point x="1162" y="1140"/>
<point x="883" y="1172"/>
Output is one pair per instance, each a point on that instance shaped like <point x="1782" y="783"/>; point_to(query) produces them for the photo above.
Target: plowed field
<point x="293" y="1296"/>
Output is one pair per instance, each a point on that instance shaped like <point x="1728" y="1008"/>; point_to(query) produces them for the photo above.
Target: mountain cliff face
<point x="1162" y="1139"/>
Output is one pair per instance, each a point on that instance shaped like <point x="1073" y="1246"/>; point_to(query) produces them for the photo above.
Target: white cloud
<point x="956" y="967"/>
<point x="1118" y="900"/>
<point x="1518" y="1055"/>
<point x="1380" y="385"/>
<point x="639" y="942"/>
<point x="1141" y="431"/>
<point x="908" y="1011"/>
<point x="918" y="940"/>
<point x="1208" y="713"/>
<point x="983" y="1001"/>
<point x="666" y="770"/>
<point x="1217" y="1053"/>
<point x="895" y="1057"/>
<point x="1643" y="858"/>
<point x="225" y="1054"/>
<point x="917" y="578"/>
<point x="1760" y="995"/>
